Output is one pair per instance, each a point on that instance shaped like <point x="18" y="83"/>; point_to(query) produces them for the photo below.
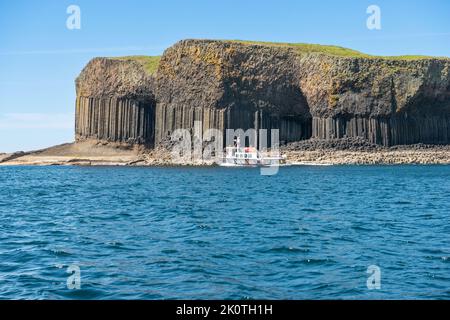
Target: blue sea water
<point x="218" y="233"/>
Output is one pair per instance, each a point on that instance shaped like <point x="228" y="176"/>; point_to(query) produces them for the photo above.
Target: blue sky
<point x="40" y="58"/>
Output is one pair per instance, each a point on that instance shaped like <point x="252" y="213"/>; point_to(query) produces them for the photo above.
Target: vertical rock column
<point x="375" y="130"/>
<point x="173" y="117"/>
<point x="394" y="130"/>
<point x="115" y="120"/>
<point x="170" y="118"/>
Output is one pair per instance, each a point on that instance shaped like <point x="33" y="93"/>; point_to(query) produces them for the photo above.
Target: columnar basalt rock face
<point x="393" y="130"/>
<point x="115" y="120"/>
<point x="235" y="85"/>
<point x="386" y="101"/>
<point x="115" y="103"/>
<point x="228" y="85"/>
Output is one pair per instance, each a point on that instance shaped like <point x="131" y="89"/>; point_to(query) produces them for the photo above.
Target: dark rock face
<point x="395" y="129"/>
<point x="115" y="103"/>
<point x="387" y="102"/>
<point x="231" y="85"/>
<point x="114" y="119"/>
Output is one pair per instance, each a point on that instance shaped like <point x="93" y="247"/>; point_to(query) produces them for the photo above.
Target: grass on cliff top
<point x="334" y="50"/>
<point x="150" y="63"/>
<point x="310" y="48"/>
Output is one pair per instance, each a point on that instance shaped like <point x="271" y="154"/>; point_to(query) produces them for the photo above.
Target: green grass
<point x="310" y="48"/>
<point x="408" y="57"/>
<point x="150" y="63"/>
<point x="333" y="50"/>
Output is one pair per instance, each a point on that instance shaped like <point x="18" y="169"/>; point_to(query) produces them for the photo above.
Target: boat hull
<point x="253" y="163"/>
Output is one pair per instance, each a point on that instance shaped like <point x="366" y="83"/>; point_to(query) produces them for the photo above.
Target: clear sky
<point x="40" y="57"/>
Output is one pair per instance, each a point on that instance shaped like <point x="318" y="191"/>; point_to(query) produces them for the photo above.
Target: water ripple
<point x="213" y="233"/>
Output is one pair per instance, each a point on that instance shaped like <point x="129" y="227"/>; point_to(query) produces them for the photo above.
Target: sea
<point x="308" y="232"/>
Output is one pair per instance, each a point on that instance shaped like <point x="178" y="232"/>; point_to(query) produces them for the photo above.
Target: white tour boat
<point x="238" y="156"/>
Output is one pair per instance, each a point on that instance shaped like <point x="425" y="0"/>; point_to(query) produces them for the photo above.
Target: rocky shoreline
<point x="360" y="151"/>
<point x="352" y="151"/>
<point x="388" y="157"/>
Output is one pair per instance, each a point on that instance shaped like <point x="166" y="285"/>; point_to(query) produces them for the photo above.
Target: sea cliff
<point x="317" y="96"/>
<point x="305" y="91"/>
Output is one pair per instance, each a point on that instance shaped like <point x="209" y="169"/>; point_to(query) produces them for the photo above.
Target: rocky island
<point x="331" y="104"/>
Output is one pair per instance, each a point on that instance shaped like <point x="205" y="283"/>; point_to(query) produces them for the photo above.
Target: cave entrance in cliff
<point x="290" y="115"/>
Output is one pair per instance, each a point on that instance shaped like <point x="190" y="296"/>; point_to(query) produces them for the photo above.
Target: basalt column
<point x="376" y="130"/>
<point x="395" y="130"/>
<point x="115" y="120"/>
<point x="172" y="117"/>
<point x="115" y="102"/>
